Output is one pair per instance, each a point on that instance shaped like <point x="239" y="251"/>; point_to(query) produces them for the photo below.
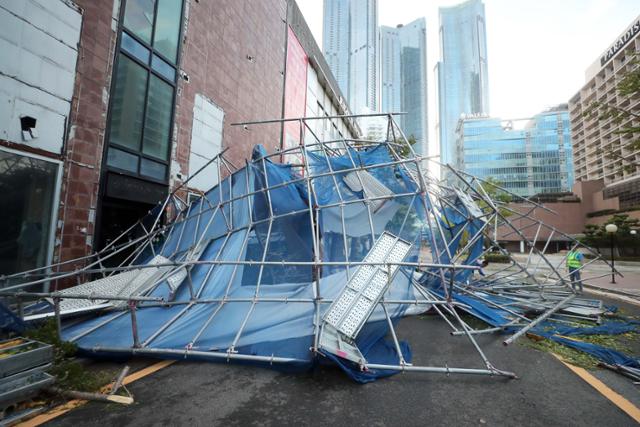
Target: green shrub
<point x="497" y="258"/>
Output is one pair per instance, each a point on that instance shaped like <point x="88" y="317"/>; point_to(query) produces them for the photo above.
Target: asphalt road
<point x="546" y="394"/>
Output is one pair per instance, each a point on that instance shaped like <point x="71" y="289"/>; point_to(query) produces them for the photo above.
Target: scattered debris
<point x="69" y="372"/>
<point x="125" y="400"/>
<point x="118" y="383"/>
<point x="22" y="373"/>
<point x="22" y="365"/>
<point x="633" y="373"/>
<point x="287" y="263"/>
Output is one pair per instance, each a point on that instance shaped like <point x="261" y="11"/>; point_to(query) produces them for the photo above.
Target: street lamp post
<point x="612" y="229"/>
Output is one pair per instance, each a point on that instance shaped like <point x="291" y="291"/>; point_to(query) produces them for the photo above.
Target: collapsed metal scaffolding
<point x="436" y="232"/>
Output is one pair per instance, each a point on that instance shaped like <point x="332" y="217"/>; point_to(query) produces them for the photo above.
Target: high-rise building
<point x="461" y="73"/>
<point x="600" y="150"/>
<point x="533" y="160"/>
<point x="390" y="69"/>
<point x="350" y="44"/>
<point x="404" y="79"/>
<point x="335" y="41"/>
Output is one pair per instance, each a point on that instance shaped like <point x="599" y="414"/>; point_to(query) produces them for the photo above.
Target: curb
<point x="612" y="291"/>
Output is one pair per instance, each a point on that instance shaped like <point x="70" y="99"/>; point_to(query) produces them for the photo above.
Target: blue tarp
<point x="240" y="231"/>
<point x="607" y="355"/>
<point x="9" y="322"/>
<point x="479" y="305"/>
<point x="611" y="327"/>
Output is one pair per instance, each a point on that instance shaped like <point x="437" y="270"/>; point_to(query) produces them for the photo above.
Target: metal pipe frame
<point x="434" y="197"/>
<point x="539" y="319"/>
<point x="439" y="370"/>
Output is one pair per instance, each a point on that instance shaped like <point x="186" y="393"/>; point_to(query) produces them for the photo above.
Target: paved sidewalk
<point x="598" y="273"/>
<point x="630" y="283"/>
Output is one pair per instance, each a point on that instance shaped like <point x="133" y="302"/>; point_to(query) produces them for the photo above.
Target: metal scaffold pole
<point x="281" y="257"/>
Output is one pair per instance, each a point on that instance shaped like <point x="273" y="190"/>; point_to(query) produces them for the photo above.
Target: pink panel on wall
<point x="295" y="90"/>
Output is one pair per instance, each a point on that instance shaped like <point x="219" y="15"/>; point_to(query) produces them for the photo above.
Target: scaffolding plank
<point x="128" y="283"/>
<point x="353" y="307"/>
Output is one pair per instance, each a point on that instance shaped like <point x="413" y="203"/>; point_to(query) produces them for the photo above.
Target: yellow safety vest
<point x="573" y="261"/>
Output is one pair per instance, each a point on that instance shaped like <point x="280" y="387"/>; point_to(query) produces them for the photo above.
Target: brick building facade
<point x="150" y="90"/>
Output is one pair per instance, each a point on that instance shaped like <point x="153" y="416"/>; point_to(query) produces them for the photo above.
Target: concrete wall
<point x="599" y="203"/>
<point x="41" y="55"/>
<point x="39" y="50"/>
<point x="87" y="128"/>
<point x="295" y="90"/>
<point x="319" y="102"/>
<point x="568" y="218"/>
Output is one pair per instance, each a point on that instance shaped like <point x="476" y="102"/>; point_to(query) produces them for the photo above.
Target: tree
<point x="597" y="236"/>
<point x="627" y="87"/>
<point x="624" y="223"/>
<point x="491" y="186"/>
<point x="404" y="150"/>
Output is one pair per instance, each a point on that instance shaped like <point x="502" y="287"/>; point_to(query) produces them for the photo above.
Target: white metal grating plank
<point x="361" y="277"/>
<point x="128" y="283"/>
<point x="353" y="307"/>
<point x="341" y="307"/>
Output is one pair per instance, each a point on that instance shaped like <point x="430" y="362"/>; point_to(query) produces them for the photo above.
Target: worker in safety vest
<point x="574" y="263"/>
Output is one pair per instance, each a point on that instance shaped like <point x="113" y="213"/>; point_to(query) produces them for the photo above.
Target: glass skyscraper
<point x="390" y="69"/>
<point x="461" y="74"/>
<point x="350" y="42"/>
<point x="335" y="41"/>
<point x="404" y="78"/>
<point x="533" y="160"/>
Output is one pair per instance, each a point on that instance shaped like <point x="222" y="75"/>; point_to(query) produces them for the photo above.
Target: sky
<point x="538" y="50"/>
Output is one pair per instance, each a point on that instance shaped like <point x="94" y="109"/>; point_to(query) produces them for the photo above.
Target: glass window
<point x="127" y="104"/>
<point x="153" y="169"/>
<point x="122" y="160"/>
<point x="166" y="70"/>
<point x="138" y="18"/>
<point x="158" y="121"/>
<point x="131" y="45"/>
<point x="28" y="187"/>
<point x="165" y="39"/>
<point x="142" y="99"/>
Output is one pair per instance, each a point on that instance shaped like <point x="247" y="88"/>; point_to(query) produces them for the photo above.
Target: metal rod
<point x="61" y="295"/>
<point x="56" y="310"/>
<point x="134" y="324"/>
<point x="393" y="333"/>
<point x="539" y="319"/>
<point x="119" y="380"/>
<point x="297" y="119"/>
<point x="439" y="370"/>
<point x="213" y="355"/>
